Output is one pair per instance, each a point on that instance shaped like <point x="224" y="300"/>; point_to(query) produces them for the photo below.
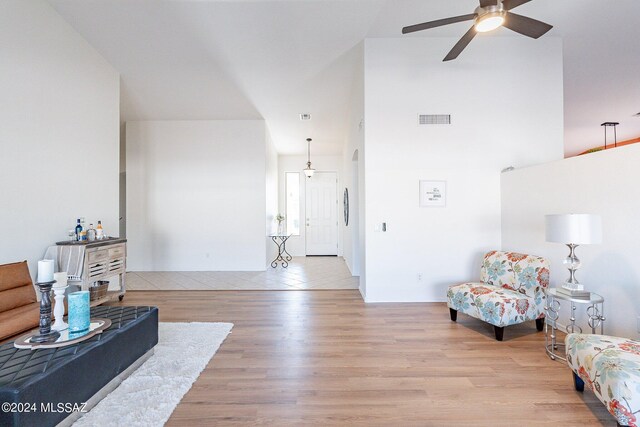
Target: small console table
<point x="283" y="256"/>
<point x="595" y="318"/>
<point x="87" y="262"/>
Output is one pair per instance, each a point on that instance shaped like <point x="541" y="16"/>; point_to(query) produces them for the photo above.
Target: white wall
<point x="272" y="175"/>
<point x="604" y="183"/>
<point x="353" y="177"/>
<point x="287" y="163"/>
<point x="122" y="201"/>
<point x="505" y="98"/>
<point x="59" y="108"/>
<point x="196" y="195"/>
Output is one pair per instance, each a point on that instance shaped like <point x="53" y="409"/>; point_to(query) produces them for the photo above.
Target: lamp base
<point x="574" y="293"/>
<point x="572" y="286"/>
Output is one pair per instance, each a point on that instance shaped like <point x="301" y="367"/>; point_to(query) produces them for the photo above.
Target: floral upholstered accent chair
<point x="609" y="366"/>
<point x="510" y="291"/>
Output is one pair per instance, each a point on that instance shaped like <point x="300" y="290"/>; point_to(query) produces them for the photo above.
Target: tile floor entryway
<point x="302" y="273"/>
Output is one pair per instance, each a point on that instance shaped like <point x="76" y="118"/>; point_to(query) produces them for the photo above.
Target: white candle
<point x="61" y="279"/>
<point x="45" y="270"/>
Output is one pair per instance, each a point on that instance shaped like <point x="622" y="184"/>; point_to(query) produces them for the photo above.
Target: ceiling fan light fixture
<point x="489" y="21"/>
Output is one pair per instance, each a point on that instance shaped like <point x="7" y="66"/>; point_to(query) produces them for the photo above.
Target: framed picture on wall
<point x="433" y="194"/>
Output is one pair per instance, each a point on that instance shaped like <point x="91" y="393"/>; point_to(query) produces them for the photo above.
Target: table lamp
<point x="573" y="230"/>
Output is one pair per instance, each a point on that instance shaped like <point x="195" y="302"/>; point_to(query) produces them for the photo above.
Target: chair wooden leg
<point x="454" y="314"/>
<point x="540" y="324"/>
<point x="499" y="332"/>
<point x="577" y="382"/>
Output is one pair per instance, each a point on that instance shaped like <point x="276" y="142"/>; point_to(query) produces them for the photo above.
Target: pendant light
<point x="309" y="171"/>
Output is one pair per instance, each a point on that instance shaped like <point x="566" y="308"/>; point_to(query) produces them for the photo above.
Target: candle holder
<point x="58" y="309"/>
<point x="79" y="312"/>
<point x="46" y="334"/>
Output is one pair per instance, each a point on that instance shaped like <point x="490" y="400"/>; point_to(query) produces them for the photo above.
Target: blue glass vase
<point x="79" y="320"/>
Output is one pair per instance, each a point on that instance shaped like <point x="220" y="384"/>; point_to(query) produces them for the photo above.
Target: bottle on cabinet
<point x="99" y="231"/>
<point x="91" y="233"/>
<point x="78" y="230"/>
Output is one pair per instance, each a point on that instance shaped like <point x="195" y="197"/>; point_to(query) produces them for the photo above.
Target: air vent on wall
<point x="434" y="119"/>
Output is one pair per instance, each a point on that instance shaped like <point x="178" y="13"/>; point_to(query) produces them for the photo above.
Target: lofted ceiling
<point x="207" y="59"/>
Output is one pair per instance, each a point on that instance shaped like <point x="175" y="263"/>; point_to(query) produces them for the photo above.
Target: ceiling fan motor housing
<point x="489" y="9"/>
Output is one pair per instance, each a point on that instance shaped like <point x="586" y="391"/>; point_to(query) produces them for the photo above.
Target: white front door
<point x="322" y="214"/>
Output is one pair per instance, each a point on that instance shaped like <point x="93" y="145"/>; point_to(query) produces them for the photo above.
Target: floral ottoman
<point x="609" y="366"/>
<point x="510" y="291"/>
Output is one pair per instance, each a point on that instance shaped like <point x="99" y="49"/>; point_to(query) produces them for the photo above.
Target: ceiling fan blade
<point x="437" y="23"/>
<point x="462" y="43"/>
<point x="526" y="26"/>
<point x="512" y="4"/>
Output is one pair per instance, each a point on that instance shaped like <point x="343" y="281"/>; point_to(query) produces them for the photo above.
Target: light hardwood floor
<point x="302" y="273"/>
<point x="326" y="358"/>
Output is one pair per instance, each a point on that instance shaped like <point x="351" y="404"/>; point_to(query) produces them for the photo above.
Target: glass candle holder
<point x="78" y="303"/>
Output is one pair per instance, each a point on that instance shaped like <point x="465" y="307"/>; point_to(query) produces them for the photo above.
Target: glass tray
<point x="97" y="325"/>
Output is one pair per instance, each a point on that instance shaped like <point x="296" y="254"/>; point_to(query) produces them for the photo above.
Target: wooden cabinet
<point x="102" y="261"/>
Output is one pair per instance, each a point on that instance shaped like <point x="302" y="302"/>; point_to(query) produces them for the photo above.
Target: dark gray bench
<point x="38" y="381"/>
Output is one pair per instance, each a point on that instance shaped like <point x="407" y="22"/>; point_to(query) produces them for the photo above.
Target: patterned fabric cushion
<point x="610" y="366"/>
<point x="527" y="274"/>
<point x="497" y="306"/>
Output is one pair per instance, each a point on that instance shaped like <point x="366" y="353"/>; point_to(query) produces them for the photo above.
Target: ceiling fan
<point x="490" y="15"/>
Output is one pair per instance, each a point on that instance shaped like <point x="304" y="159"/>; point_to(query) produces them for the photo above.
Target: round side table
<point x="595" y="317"/>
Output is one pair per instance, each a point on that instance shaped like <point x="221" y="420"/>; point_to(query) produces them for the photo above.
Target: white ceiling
<point x="202" y="59"/>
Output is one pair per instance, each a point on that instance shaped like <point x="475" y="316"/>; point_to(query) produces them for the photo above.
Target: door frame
<point x="336" y="207"/>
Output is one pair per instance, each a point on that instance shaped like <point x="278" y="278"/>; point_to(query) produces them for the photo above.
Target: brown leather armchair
<point x="19" y="309"/>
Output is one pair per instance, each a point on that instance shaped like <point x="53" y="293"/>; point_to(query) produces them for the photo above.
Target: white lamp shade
<point x="309" y="172"/>
<point x="578" y="229"/>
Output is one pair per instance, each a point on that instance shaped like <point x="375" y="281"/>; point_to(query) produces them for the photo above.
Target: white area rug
<point x="152" y="392"/>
